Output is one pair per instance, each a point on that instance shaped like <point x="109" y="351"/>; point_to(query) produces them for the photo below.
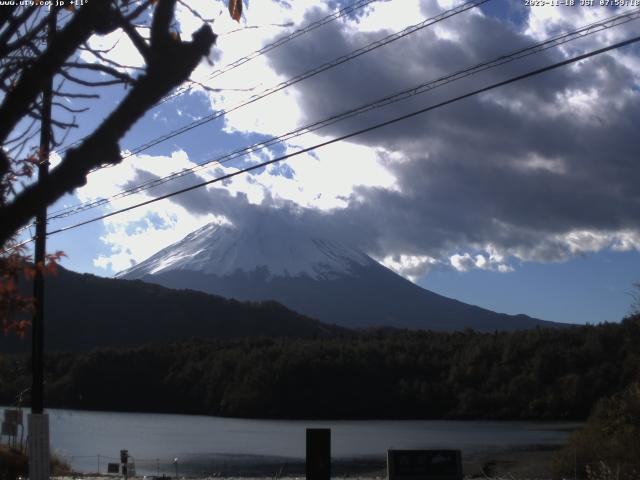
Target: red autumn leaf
<point x="51" y="263"/>
<point x="235" y="9"/>
<point x="21" y="327"/>
<point x="51" y="268"/>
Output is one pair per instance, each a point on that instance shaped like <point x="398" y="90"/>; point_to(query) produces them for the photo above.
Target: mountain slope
<point x="276" y="246"/>
<point x="84" y="311"/>
<point x="316" y="276"/>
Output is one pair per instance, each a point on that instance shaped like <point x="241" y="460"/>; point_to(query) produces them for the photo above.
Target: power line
<point x="358" y="132"/>
<point x="315" y="71"/>
<point x="338" y="61"/>
<point x="267" y="48"/>
<point x="278" y="43"/>
<point x="308" y="74"/>
<point x="326" y="66"/>
<point x="553" y="42"/>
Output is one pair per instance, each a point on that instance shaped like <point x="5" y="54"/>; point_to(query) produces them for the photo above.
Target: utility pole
<point x="38" y="420"/>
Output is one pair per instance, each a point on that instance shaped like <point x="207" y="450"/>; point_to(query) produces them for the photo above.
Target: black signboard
<point x="318" y="464"/>
<point x="424" y="465"/>
<point x="113" y="468"/>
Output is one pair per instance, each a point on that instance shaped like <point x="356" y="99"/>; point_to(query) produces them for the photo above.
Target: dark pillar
<point x="318" y="464"/>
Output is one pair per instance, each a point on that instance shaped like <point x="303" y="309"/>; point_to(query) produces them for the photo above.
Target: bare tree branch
<point x="22" y="134"/>
<point x="99" y="55"/>
<point x="31" y="34"/>
<point x="123" y="77"/>
<point x="170" y="64"/>
<point x="13" y="25"/>
<point x="70" y="109"/>
<point x="4" y="165"/>
<point x="6" y="14"/>
<point x="36" y="114"/>
<point x="137" y="40"/>
<point x="138" y="11"/>
<point x="91" y="83"/>
<point x="161" y="24"/>
<point x="195" y="12"/>
<point x="87" y="48"/>
<point x="64" y="43"/>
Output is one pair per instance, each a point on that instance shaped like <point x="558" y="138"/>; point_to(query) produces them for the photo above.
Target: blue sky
<point x="520" y="200"/>
<point x="586" y="289"/>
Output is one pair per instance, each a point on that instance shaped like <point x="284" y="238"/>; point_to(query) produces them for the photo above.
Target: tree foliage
<point x="145" y="313"/>
<point x="535" y="374"/>
<point x="634" y="309"/>
<point x="607" y="447"/>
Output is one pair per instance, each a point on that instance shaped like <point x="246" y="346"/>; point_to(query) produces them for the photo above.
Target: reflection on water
<point x="89" y="440"/>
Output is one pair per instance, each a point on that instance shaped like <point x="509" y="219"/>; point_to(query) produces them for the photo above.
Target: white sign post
<point x="38" y="446"/>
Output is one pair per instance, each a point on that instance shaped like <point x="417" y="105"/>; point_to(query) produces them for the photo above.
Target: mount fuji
<point x="276" y="259"/>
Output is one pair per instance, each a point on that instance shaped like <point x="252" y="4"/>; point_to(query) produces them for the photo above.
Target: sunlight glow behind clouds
<point x="313" y="185"/>
<point x="531" y="170"/>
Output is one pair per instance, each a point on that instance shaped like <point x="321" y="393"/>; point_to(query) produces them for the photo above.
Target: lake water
<point x="205" y="445"/>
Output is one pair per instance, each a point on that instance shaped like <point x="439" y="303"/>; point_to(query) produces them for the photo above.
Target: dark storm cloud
<point x="199" y="201"/>
<point x="517" y="168"/>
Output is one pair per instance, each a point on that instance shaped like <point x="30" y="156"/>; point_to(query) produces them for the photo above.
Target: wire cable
<point x="340" y="60"/>
<point x="377" y="126"/>
<point x="267" y="48"/>
<point x="553" y="42"/>
<point x="278" y="43"/>
<point x="517" y="78"/>
<point x="308" y="74"/>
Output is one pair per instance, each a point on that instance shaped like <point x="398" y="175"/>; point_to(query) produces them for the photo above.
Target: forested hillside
<point x="535" y="374"/>
<point x="85" y="311"/>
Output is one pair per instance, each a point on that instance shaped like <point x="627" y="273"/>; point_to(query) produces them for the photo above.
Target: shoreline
<point x="534" y="462"/>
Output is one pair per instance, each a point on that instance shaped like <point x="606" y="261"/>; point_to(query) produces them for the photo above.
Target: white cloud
<point x="388" y="17"/>
<point x="462" y="263"/>
<point x="470" y="188"/>
<point x="410" y="266"/>
<point x="117" y="47"/>
<point x="490" y="259"/>
<point x="584" y="241"/>
<point x="138" y="234"/>
<point x="322" y="181"/>
<point x="238" y="85"/>
<point x="545" y="21"/>
<point x="112" y="180"/>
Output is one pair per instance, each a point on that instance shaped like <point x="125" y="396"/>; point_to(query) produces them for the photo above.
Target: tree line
<point x="533" y="374"/>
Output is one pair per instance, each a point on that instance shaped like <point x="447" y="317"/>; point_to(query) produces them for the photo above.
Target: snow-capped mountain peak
<point x="275" y="257"/>
<point x="283" y="251"/>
